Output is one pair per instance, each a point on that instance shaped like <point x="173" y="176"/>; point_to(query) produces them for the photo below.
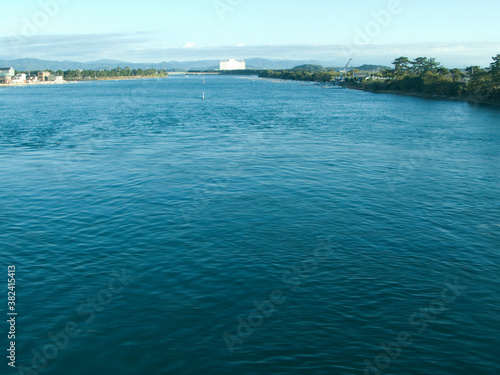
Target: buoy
<point x="203" y="96"/>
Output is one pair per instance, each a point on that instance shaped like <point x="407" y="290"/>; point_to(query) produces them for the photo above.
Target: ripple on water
<point x="213" y="205"/>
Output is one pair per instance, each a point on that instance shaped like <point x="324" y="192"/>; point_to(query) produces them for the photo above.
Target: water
<point x="145" y="223"/>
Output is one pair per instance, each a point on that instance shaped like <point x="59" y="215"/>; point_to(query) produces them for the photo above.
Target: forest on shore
<point x="422" y="77"/>
<point x="79" y="74"/>
<point x="427" y="77"/>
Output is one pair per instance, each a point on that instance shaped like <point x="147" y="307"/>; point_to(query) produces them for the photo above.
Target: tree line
<point x="75" y="75"/>
<point x="117" y="72"/>
<point x="315" y="73"/>
<point x="427" y="76"/>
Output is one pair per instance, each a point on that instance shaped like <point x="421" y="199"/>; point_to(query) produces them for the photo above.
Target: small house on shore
<point x="20" y="78"/>
<point x="10" y="72"/>
<point x="32" y="78"/>
<point x="5" y="79"/>
<point x="6" y="75"/>
<point x="55" y="79"/>
<point x="43" y="76"/>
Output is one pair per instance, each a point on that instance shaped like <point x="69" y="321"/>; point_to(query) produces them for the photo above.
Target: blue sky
<point x="374" y="31"/>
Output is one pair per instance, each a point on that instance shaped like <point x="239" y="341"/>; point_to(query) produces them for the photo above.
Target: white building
<point x="56" y="79"/>
<point x="8" y="72"/>
<point x="19" y="78"/>
<point x="232" y="64"/>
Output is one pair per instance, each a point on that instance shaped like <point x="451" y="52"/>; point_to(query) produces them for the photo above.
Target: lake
<point x="271" y="228"/>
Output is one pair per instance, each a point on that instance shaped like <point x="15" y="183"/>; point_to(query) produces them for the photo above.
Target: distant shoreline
<point x="79" y="80"/>
<point x="34" y="84"/>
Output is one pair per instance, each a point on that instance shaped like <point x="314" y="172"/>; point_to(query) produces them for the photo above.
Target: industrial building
<point x="232" y="64"/>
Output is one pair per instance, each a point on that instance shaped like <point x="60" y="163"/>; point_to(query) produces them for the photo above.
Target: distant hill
<point x="310" y="68"/>
<point x="36" y="64"/>
<point x="252" y="63"/>
<point x="257" y="63"/>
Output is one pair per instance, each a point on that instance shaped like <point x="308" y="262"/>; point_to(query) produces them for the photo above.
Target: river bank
<point x="471" y="100"/>
<point x="82" y="80"/>
<point x="34" y="84"/>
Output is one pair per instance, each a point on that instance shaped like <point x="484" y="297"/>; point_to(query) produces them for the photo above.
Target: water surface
<point x="205" y="207"/>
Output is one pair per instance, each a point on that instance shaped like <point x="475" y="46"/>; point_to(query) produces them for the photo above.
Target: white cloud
<point x="143" y="47"/>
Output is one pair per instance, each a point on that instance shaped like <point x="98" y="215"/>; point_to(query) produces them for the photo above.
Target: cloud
<point x="95" y="46"/>
<point x="146" y="47"/>
<point x="189" y="45"/>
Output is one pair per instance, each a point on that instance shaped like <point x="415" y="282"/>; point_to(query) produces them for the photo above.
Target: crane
<point x="344" y="70"/>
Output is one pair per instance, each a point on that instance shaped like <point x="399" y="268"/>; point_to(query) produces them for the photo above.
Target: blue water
<point x="147" y="222"/>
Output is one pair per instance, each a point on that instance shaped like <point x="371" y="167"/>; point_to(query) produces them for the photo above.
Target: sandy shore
<point x="79" y="80"/>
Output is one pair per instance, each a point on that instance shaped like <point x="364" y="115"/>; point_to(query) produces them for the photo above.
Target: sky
<point x="331" y="31"/>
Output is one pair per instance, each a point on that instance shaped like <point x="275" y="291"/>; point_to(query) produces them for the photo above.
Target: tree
<point x="456" y="74"/>
<point x="390" y="73"/>
<point x="401" y="66"/>
<point x="418" y="65"/>
<point x="442" y="71"/>
<point x="422" y="65"/>
<point x="433" y="65"/>
<point x="495" y="69"/>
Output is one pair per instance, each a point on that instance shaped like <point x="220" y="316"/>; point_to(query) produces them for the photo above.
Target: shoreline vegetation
<point x="422" y="77"/>
<point x="427" y="78"/>
<point x="114" y="74"/>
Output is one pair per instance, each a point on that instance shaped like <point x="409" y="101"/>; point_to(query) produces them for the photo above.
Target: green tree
<point x="389" y="73"/>
<point x="495" y="69"/>
<point x="401" y="66"/>
<point x="456" y="74"/>
<point x="442" y="71"/>
<point x="422" y="65"/>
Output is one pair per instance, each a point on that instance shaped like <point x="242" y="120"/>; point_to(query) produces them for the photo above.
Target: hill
<point x="252" y="63"/>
